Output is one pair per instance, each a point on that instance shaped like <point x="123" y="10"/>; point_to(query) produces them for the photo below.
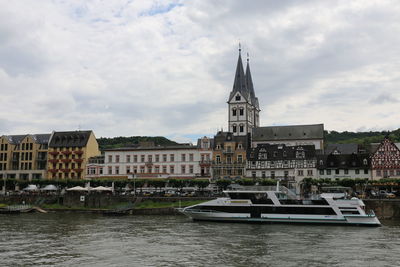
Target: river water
<point x="77" y="239"/>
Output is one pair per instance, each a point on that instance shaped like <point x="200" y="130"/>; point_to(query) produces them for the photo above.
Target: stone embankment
<point x="383" y="208"/>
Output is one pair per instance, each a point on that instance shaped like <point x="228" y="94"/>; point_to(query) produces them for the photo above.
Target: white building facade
<point x="181" y="161"/>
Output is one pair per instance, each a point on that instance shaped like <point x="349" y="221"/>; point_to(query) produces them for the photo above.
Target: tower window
<point x="241" y="112"/>
<point x="234" y="128"/>
<point x="237" y="98"/>
<point x="241" y="128"/>
<point x="234" y="112"/>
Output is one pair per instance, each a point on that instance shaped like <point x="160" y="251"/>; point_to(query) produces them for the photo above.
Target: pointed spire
<point x="239" y="84"/>
<point x="249" y="84"/>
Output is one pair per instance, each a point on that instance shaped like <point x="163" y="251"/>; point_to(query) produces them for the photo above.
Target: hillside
<point x="115" y="142"/>
<point x="364" y="138"/>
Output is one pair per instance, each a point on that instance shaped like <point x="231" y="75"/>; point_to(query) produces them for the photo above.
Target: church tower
<point x="243" y="104"/>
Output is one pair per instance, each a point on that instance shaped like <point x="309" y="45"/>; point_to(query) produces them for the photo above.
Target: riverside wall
<point x="383" y="208"/>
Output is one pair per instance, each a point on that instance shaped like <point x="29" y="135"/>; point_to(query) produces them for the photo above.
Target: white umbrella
<point x="31" y="187"/>
<point x="78" y="188"/>
<point x="50" y="187"/>
<point x="101" y="188"/>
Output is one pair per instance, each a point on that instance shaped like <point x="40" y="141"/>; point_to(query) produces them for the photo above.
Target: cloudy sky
<point x="124" y="68"/>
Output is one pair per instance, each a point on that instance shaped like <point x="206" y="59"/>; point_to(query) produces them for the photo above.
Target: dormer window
<point x="237" y="98"/>
<point x="365" y="162"/>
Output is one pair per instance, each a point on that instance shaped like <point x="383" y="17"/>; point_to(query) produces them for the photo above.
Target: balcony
<point x="148" y="163"/>
<point x="54" y="161"/>
<point x="53" y="170"/>
<point x="53" y="153"/>
<point x="228" y="164"/>
<point x="66" y="152"/>
<point x="78" y="170"/>
<point x="78" y="152"/>
<point x="228" y="151"/>
<point x="205" y="163"/>
<point x="66" y="161"/>
<point x="65" y="170"/>
<point x="78" y="160"/>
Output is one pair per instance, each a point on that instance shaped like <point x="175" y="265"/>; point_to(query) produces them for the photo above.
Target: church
<point x="245" y="138"/>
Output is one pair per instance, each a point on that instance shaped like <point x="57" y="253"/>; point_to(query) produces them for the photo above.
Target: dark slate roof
<point x="280" y="152"/>
<point x="222" y="137"/>
<point x="292" y="132"/>
<point x="343" y="161"/>
<point x="341" y="149"/>
<point x="70" y="139"/>
<point x="239" y="84"/>
<point x="15" y="139"/>
<point x="140" y="148"/>
<point x="250" y="87"/>
<point x="211" y="142"/>
<point x="41" y="138"/>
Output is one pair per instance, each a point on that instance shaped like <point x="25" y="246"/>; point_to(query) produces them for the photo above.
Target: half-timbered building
<point x="385" y="160"/>
<point x="290" y="164"/>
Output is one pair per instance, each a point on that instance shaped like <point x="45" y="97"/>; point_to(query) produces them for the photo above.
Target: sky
<point x="165" y="68"/>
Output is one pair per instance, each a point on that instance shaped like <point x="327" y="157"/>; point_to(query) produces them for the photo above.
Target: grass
<point x="148" y="204"/>
<point x="3" y="205"/>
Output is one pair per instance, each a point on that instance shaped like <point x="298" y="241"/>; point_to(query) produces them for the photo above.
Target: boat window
<point x="281" y="195"/>
<point x="255" y="198"/>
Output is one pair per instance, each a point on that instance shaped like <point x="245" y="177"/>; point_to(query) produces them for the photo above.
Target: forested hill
<point x="115" y="142"/>
<point x="364" y="138"/>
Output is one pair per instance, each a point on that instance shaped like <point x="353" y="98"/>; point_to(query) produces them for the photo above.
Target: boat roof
<point x="250" y="191"/>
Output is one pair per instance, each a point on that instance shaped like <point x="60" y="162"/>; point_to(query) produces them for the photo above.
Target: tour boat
<point x="275" y="206"/>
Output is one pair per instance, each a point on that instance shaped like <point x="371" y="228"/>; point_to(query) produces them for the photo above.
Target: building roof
<point x="38" y="138"/>
<point x="280" y="152"/>
<point x="70" y="139"/>
<point x="344" y="161"/>
<point x="341" y="149"/>
<point x="221" y="137"/>
<point x="239" y="84"/>
<point x="140" y="148"/>
<point x="291" y="132"/>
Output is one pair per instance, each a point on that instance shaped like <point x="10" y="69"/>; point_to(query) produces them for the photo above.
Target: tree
<point x="223" y="184"/>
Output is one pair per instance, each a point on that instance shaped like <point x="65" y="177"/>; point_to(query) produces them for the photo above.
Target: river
<point x="78" y="239"/>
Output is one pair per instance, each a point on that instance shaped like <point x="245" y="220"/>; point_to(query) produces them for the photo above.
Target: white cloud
<point x="166" y="67"/>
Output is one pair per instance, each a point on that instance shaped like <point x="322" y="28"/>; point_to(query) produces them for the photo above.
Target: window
<point x="234" y="112"/>
<point x="172" y="157"/>
<point x="337" y="171"/>
<point x="100" y="170"/>
<point x="109" y="170"/>
<point x="263" y="174"/>
<point x="253" y="174"/>
<point x="183" y="156"/>
<point x="365" y="171"/>
<point x="346" y="171"/>
<point x="128" y="158"/>
<point x="190" y="169"/>
<point x="310" y="172"/>
<point x="391" y="172"/>
<point x="150" y="158"/>
<point x="240" y="158"/>
<point x="157" y="169"/>
<point x="273" y="174"/>
<point x="357" y="171"/>
<point x="241" y="128"/>
<point x="109" y="158"/>
<point x="321" y="172"/>
<point x="117" y="158"/>
<point x="190" y="157"/>
<point x="218" y="159"/>
<point x="171" y="169"/>
<point x="241" y="111"/>
<point x="116" y="169"/>
<point x="229" y="159"/>
<point x="141" y="158"/>
<point x="164" y="169"/>
<point x="378" y="173"/>
<point x="128" y="169"/>
<point x="157" y="158"/>
<point x="234" y="128"/>
<point x="164" y="157"/>
<point x="328" y="172"/>
<point x="134" y="158"/>
<point x="300" y="172"/>
<point x="237" y="98"/>
<point x="141" y="169"/>
<point x="365" y="161"/>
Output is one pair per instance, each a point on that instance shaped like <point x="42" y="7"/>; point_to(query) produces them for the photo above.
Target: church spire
<point x="239" y="84"/>
<point x="249" y="84"/>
